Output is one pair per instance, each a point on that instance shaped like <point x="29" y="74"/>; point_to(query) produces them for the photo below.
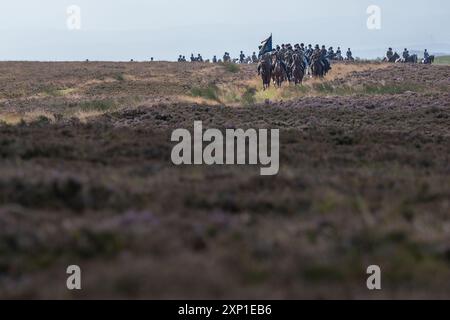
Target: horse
<point x="317" y="68"/>
<point x="392" y="59"/>
<point x="298" y="69"/>
<point x="411" y="59"/>
<point x="265" y="70"/>
<point x="278" y="73"/>
<point x="288" y="60"/>
<point x="430" y="60"/>
<point x="338" y="57"/>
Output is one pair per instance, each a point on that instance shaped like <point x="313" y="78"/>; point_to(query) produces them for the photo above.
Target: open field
<point x="86" y="178"/>
<point x="443" y="60"/>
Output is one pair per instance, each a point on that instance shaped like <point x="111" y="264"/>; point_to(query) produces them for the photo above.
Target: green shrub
<point x="119" y="77"/>
<point x="210" y="92"/>
<point x="231" y="67"/>
<point x="248" y="98"/>
<point x="97" y="105"/>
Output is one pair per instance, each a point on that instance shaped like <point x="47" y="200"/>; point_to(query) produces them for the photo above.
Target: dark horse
<point x="265" y="70"/>
<point x="317" y="68"/>
<point x="278" y="73"/>
<point x="430" y="60"/>
<point x="392" y="59"/>
<point x="411" y="59"/>
<point x="298" y="69"/>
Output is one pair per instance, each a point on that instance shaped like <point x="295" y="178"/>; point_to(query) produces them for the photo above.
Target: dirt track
<point x="364" y="179"/>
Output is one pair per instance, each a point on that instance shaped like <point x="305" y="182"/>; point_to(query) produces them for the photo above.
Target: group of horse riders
<point x="392" y="56"/>
<point x="315" y="61"/>
<point x="198" y="58"/>
<point x="285" y="54"/>
<point x="243" y="59"/>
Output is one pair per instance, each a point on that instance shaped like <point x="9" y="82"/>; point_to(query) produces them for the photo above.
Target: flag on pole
<point x="266" y="46"/>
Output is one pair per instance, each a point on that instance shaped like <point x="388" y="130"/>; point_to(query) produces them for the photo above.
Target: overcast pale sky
<point x="139" y="29"/>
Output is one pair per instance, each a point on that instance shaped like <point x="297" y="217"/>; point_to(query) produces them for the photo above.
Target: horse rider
<point x="309" y="51"/>
<point x="303" y="54"/>
<point x="192" y="58"/>
<point x="298" y="53"/>
<point x="338" y="54"/>
<point x="349" y="54"/>
<point x="199" y="58"/>
<point x="389" y="54"/>
<point x="288" y="54"/>
<point x="279" y="57"/>
<point x="323" y="51"/>
<point x="288" y="58"/>
<point x="259" y="52"/>
<point x="283" y="49"/>
<point x="254" y="58"/>
<point x="180" y="58"/>
<point x="426" y="56"/>
<point x="323" y="58"/>
<point x="265" y="58"/>
<point x="214" y="59"/>
<point x="302" y="47"/>
<point x="298" y="50"/>
<point x="330" y="53"/>
<point x="405" y="54"/>
<point x="315" y="55"/>
<point x="242" y="57"/>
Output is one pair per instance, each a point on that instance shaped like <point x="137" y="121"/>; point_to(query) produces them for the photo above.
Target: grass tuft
<point x="119" y="77"/>
<point x="231" y="67"/>
<point x="211" y="92"/>
<point x="97" y="105"/>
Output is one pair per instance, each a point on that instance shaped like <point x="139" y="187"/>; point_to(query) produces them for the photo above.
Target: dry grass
<point x="250" y="91"/>
<point x="363" y="180"/>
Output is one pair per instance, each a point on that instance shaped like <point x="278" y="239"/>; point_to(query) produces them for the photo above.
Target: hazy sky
<point x="139" y="29"/>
